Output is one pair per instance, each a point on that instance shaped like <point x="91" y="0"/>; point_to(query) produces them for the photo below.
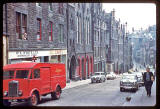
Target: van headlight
<point x="20" y="93"/>
<point x="5" y="93"/>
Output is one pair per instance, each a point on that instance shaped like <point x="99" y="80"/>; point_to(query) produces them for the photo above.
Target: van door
<point x="45" y="80"/>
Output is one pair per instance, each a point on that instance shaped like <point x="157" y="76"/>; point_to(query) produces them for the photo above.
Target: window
<point x="38" y="29"/>
<point x="80" y="30"/>
<point x="24" y="26"/>
<point x="61" y="35"/>
<point x="36" y="73"/>
<point x="22" y="74"/>
<point x="60" y="8"/>
<point x="50" y="7"/>
<point x="50" y="31"/>
<point x="38" y="4"/>
<point x="18" y="25"/>
<point x="88" y="31"/>
<point x="95" y="51"/>
<point x="21" y="26"/>
<point x="8" y="74"/>
<point x="94" y="35"/>
<point x="77" y="29"/>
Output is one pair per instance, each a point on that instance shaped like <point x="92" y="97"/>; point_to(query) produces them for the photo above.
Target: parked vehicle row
<point x="101" y="76"/>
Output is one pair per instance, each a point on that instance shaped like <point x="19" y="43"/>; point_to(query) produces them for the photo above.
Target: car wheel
<point x="6" y="103"/>
<point x="91" y="81"/>
<point x="56" y="95"/>
<point x="104" y="79"/>
<point x="121" y="89"/>
<point x="33" y="100"/>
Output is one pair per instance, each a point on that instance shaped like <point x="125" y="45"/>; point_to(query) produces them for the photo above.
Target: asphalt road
<point x="96" y="94"/>
<point x="92" y="94"/>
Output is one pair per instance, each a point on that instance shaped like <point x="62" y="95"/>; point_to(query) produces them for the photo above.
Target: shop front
<point x="27" y="55"/>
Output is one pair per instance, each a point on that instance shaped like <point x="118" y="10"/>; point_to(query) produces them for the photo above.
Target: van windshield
<point x="22" y="74"/>
<point x="8" y="74"/>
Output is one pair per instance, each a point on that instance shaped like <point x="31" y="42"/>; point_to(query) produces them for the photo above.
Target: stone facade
<point x="81" y="35"/>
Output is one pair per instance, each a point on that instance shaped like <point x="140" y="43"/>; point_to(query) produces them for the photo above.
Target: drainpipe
<point x="67" y="76"/>
<point x="7" y="45"/>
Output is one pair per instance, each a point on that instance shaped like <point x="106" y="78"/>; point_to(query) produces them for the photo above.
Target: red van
<point x="29" y="81"/>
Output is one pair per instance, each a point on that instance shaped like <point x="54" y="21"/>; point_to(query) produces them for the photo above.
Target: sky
<point x="137" y="15"/>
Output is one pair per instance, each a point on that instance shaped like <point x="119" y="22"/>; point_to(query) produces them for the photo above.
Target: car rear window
<point x="22" y="74"/>
<point x="8" y="74"/>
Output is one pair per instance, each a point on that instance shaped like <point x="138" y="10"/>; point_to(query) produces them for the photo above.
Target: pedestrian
<point x="148" y="80"/>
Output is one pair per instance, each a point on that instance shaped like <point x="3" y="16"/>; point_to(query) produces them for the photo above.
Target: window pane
<point x="36" y="73"/>
<point x="22" y="74"/>
<point x="8" y="74"/>
<point x="38" y="29"/>
<point x="18" y="25"/>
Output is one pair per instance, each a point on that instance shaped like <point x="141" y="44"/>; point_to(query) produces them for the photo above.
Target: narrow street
<point x="100" y="94"/>
<point x="97" y="94"/>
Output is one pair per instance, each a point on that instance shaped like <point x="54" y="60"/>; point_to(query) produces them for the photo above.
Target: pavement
<point x="141" y="99"/>
<point x="77" y="83"/>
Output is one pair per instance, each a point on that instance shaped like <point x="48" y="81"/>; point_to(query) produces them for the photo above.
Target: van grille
<point x="13" y="89"/>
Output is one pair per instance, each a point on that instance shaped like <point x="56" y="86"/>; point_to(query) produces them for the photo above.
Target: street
<point x="100" y="94"/>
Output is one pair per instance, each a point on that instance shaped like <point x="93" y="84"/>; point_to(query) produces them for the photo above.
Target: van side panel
<point x="58" y="76"/>
<point x="45" y="80"/>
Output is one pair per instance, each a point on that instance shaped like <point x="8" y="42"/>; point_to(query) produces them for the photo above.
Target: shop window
<point x="36" y="73"/>
<point x="21" y="26"/>
<point x="59" y="58"/>
<point x="60" y="10"/>
<point x="38" y="29"/>
<point x="50" y="31"/>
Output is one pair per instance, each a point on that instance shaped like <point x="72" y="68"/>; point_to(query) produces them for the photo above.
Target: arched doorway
<point x="72" y="67"/>
<point x="83" y="74"/>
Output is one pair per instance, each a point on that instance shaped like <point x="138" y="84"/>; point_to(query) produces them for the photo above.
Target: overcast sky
<point x="136" y="15"/>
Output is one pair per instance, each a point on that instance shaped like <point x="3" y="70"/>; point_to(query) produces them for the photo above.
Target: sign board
<point x="27" y="54"/>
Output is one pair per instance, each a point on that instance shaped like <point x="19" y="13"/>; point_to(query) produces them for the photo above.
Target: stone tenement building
<point x="81" y="35"/>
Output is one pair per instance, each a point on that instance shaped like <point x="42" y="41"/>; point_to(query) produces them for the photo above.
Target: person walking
<point x="148" y="80"/>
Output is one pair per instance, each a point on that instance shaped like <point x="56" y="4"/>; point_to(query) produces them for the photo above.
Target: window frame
<point x="50" y="7"/>
<point x="18" y="25"/>
<point x="33" y="76"/>
<point x="60" y="8"/>
<point x="50" y="31"/>
<point x="40" y="30"/>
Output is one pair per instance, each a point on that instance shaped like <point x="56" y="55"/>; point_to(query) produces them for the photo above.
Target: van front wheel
<point x="56" y="95"/>
<point x="33" y="101"/>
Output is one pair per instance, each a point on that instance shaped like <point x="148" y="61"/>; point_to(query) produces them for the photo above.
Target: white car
<point x="111" y="75"/>
<point x="98" y="77"/>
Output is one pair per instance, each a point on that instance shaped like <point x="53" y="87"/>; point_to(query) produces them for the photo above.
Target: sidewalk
<point x="140" y="98"/>
<point x="77" y="83"/>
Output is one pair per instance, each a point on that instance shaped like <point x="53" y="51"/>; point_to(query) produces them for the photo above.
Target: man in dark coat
<point x="148" y="80"/>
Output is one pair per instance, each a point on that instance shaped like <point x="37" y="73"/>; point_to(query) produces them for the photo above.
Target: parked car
<point x="29" y="81"/>
<point x="98" y="77"/>
<point x="129" y="81"/>
<point x="111" y="75"/>
<point x="140" y="78"/>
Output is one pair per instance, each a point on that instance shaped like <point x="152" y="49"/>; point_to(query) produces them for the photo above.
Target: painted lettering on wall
<point x="26" y="53"/>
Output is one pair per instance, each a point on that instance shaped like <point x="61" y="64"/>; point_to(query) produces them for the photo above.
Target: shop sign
<point x="58" y="52"/>
<point x="26" y="53"/>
